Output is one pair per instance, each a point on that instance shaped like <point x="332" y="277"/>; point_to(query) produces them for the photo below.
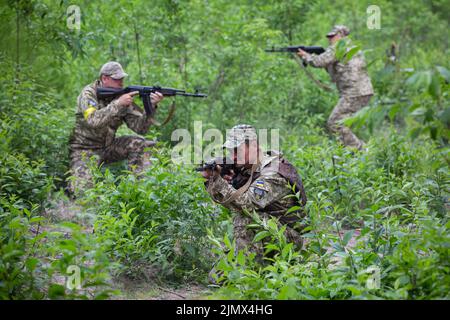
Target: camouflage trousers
<point x="346" y="107"/>
<point x="129" y="148"/>
<point x="244" y="236"/>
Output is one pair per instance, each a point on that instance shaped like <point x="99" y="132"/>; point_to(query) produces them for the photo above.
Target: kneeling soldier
<point x="96" y="124"/>
<point x="260" y="182"/>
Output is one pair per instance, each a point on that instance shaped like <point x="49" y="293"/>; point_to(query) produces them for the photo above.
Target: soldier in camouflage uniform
<point x="270" y="176"/>
<point x="96" y="124"/>
<point x="352" y="81"/>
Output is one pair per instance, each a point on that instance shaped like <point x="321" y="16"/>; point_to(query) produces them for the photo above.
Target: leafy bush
<point x="24" y="178"/>
<point x="35" y="261"/>
<point x="159" y="220"/>
<point x="395" y="195"/>
<point x="17" y="249"/>
<point x="33" y="122"/>
<point x="388" y="200"/>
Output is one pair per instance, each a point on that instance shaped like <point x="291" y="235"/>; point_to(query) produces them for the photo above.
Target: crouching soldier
<point x="97" y="121"/>
<point x="260" y="182"/>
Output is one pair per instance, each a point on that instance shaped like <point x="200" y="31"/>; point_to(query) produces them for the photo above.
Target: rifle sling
<point x="310" y="75"/>
<point x="242" y="189"/>
<point x="169" y="116"/>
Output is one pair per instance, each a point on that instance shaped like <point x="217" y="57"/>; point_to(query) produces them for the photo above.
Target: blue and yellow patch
<point x="260" y="184"/>
<point x="92" y="103"/>
<point x="259" y="189"/>
<point x="259" y="193"/>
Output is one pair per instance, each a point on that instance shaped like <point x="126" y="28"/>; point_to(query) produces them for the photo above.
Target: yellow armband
<point x="88" y="111"/>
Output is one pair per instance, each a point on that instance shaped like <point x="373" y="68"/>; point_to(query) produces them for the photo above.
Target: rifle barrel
<point x="311" y="49"/>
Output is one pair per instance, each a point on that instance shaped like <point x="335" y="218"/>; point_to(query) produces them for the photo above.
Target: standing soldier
<point x="97" y="121"/>
<point x="352" y="81"/>
<point x="259" y="183"/>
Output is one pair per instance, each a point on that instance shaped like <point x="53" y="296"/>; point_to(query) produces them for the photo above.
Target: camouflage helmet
<point x="113" y="69"/>
<point x="343" y="30"/>
<point x="239" y="134"/>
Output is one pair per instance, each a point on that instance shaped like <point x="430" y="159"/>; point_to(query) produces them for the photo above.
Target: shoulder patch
<point x="259" y="193"/>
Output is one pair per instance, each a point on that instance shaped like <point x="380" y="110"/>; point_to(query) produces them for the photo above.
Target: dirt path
<point x="63" y="209"/>
<point x="145" y="290"/>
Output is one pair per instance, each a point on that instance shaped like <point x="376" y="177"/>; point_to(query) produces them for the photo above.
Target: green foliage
<point x="420" y="262"/>
<point x="393" y="199"/>
<point x="393" y="196"/>
<point x="423" y="106"/>
<point x="24" y="179"/>
<point x="158" y="220"/>
<point x="71" y="247"/>
<point x="17" y="263"/>
<point x="34" y="261"/>
<point x="345" y="50"/>
<point x="33" y="122"/>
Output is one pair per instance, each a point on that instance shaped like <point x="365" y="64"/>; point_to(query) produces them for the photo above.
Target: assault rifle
<point x="144" y="93"/>
<point x="226" y="165"/>
<point x="227" y="168"/>
<point x="294" y="49"/>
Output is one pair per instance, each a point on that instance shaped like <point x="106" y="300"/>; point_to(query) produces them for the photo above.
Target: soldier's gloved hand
<point x="126" y="99"/>
<point x="156" y="97"/>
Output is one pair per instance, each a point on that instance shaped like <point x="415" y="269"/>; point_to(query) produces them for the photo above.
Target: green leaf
<point x="415" y="132"/>
<point x="292" y="209"/>
<point x="444" y="73"/>
<point x="419" y="80"/>
<point x="241" y="258"/>
<point x="393" y="111"/>
<point x="31" y="264"/>
<point x="272" y="224"/>
<point x="70" y="225"/>
<point x="347" y="236"/>
<point x="435" y="87"/>
<point x="36" y="219"/>
<point x="419" y="111"/>
<point x="56" y="291"/>
<point x="401" y="281"/>
<point x="350" y="53"/>
<point x="230" y="255"/>
<point x="271" y="247"/>
<point x="226" y="241"/>
<point x="286" y="250"/>
<point x="340" y="49"/>
<point x="261" y="235"/>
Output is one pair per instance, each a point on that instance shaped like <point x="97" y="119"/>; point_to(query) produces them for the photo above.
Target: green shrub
<point x="159" y="220"/>
<point x="35" y="260"/>
<point x="24" y="178"/>
<point x="394" y="195"/>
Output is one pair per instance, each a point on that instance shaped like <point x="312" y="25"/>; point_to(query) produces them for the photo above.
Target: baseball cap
<point x="239" y="134"/>
<point x="345" y="31"/>
<point x="113" y="69"/>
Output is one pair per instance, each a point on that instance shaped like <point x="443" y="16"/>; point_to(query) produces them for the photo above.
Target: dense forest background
<point x="386" y="208"/>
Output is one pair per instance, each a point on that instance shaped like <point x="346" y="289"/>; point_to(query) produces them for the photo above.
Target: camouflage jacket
<point x="351" y="78"/>
<point x="98" y="120"/>
<point x="267" y="193"/>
